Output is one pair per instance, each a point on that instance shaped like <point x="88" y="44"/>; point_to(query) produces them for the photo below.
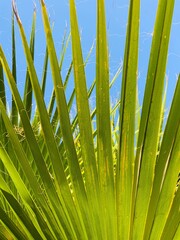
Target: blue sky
<point x="117" y="11"/>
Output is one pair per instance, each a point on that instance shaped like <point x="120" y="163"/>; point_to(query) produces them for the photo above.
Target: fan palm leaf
<point x="106" y="173"/>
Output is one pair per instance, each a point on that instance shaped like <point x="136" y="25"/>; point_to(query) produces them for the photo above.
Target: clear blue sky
<point x="116" y="22"/>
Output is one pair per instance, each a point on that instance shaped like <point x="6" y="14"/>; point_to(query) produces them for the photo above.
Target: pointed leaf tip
<point x="15" y="11"/>
<point x="35" y="6"/>
<point x="42" y="2"/>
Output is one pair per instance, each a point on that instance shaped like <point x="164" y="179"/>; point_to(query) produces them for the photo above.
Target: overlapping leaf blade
<point x="151" y="117"/>
<point x="85" y="178"/>
<point x="47" y="181"/>
<point x="164" y="156"/>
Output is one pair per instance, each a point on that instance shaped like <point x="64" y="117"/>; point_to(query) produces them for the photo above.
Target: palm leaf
<point x="104" y="173"/>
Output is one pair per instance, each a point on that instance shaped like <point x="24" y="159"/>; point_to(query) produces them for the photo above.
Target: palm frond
<point x="110" y="172"/>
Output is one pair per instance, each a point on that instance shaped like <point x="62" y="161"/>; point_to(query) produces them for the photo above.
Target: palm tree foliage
<point x="65" y="178"/>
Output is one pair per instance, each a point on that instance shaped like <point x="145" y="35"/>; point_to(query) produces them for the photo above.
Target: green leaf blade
<point x="164" y="156"/>
<point x="125" y="165"/>
<point x="151" y="117"/>
<point x="84" y="120"/>
<point x="104" y="135"/>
